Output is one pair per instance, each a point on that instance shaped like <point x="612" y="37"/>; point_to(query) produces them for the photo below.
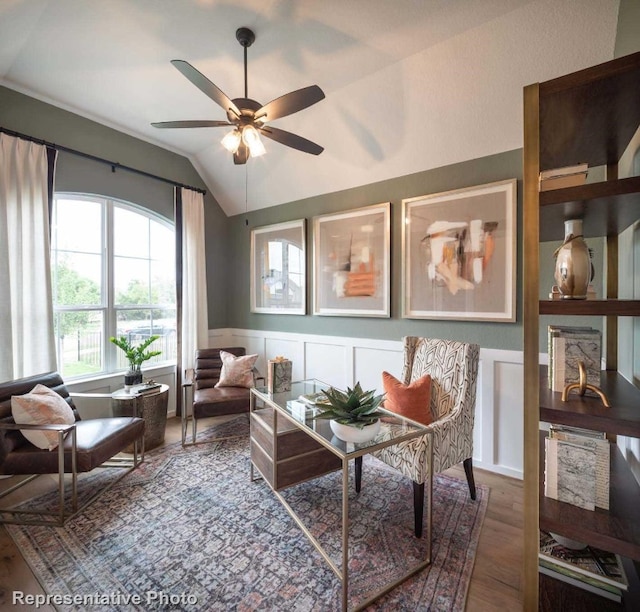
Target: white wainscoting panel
<point x="369" y="363"/>
<point x="291" y="349"/>
<point x="342" y="361"/>
<point x="508" y="416"/>
<point x="328" y="362"/>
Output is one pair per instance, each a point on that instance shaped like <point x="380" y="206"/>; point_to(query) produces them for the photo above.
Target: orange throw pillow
<point x="412" y="401"/>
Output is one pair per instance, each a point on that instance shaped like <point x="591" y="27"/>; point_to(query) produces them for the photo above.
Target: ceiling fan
<point x="248" y="117"/>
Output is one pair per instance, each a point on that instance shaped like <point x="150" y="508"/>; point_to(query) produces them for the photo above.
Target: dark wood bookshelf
<point x="620" y="308"/>
<point x="607" y="208"/>
<point x="616" y="529"/>
<point x="622" y="418"/>
<point x="589" y="116"/>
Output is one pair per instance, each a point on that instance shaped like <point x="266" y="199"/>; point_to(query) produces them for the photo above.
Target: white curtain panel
<point x="195" y="320"/>
<point x="26" y="309"/>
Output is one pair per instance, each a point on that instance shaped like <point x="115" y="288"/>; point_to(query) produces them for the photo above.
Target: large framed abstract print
<point x="351" y="262"/>
<point x="459" y="254"/>
<point x="278" y="268"/>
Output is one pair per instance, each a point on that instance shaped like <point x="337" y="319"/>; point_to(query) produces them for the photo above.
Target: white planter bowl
<point x="349" y="433"/>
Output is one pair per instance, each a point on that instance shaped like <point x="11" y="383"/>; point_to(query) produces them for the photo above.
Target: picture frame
<point x="278" y="268"/>
<point x="351" y="262"/>
<point x="459" y="254"/>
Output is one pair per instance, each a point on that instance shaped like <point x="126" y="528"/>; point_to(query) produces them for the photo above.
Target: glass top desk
<point x="283" y="430"/>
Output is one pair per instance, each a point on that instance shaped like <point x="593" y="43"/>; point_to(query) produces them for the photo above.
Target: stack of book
<point x="577" y="467"/>
<point x="558" y="178"/>
<point x="144" y="388"/>
<point x="567" y="346"/>
<point x="306" y="406"/>
<point x="312" y="399"/>
<point x="591" y="569"/>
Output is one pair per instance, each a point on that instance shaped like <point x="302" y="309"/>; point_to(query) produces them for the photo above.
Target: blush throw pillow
<point x="41" y="406"/>
<point x="236" y="371"/>
<point x="411" y="401"/>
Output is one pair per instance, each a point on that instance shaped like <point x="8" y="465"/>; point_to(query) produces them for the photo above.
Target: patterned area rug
<point x="189" y="531"/>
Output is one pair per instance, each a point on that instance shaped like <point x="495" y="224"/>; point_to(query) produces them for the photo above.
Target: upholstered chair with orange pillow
<point x="437" y="388"/>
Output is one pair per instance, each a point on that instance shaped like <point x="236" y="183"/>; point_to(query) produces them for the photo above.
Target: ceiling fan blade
<point x="290" y="103"/>
<point x="291" y="140"/>
<point x="241" y="155"/>
<point x="190" y="124"/>
<point x="206" y="86"/>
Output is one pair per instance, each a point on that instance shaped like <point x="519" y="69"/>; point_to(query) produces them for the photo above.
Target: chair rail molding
<point x="342" y="361"/>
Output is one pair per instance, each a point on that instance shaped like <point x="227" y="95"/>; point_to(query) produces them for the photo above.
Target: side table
<point x="152" y="407"/>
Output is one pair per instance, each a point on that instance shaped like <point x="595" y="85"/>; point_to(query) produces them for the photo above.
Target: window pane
<point x="139" y="325"/>
<point x="79" y="342"/>
<point x="130" y="233"/>
<point x="77" y="279"/>
<point x="163" y="244"/>
<point x="163" y="285"/>
<point x="131" y="278"/>
<point x="78" y="226"/>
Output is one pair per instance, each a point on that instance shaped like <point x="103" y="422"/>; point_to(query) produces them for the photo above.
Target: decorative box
<point x="279" y="375"/>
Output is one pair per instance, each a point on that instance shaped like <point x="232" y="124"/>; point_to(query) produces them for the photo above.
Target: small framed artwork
<point x="278" y="268"/>
<point x="459" y="254"/>
<point x="351" y="262"/>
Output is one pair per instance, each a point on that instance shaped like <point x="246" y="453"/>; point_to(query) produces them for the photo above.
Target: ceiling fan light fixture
<point x="248" y="117"/>
<point x="231" y="141"/>
<point x="251" y="138"/>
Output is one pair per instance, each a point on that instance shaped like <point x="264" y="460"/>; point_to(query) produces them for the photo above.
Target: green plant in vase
<point x="353" y="414"/>
<point x="136" y="355"/>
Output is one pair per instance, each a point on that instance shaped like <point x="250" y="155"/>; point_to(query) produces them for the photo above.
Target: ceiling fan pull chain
<point x="246" y="190"/>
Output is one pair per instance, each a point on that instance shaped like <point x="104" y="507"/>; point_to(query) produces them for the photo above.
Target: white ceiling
<point x="410" y="84"/>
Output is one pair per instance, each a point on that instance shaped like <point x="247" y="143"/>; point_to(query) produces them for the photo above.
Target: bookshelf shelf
<point x="608" y="207"/>
<point x="620" y="308"/>
<point x="622" y="418"/>
<point x="616" y="529"/>
<point x="590" y="116"/>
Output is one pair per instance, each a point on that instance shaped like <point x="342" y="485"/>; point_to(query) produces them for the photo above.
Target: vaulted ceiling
<point x="410" y="84"/>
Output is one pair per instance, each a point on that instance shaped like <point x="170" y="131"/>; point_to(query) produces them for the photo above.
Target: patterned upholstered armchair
<point x="453" y="367"/>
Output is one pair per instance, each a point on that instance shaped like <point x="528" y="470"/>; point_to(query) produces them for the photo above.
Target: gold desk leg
<point x="345" y="535"/>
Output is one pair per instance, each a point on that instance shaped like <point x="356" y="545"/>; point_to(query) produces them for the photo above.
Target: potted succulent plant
<point x="354" y="414"/>
<point x="136" y="356"/>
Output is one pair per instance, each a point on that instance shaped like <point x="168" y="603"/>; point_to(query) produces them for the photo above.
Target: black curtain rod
<point x="113" y="165"/>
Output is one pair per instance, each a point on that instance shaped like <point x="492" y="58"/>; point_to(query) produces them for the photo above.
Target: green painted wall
<point x="627" y="37"/>
<point x="44" y="121"/>
<point x="476" y="172"/>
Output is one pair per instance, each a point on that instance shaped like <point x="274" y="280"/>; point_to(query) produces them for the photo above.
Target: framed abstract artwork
<point x="351" y="262"/>
<point x="459" y="254"/>
<point x="278" y="268"/>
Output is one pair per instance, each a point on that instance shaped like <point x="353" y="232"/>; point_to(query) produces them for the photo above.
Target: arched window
<point x="113" y="274"/>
